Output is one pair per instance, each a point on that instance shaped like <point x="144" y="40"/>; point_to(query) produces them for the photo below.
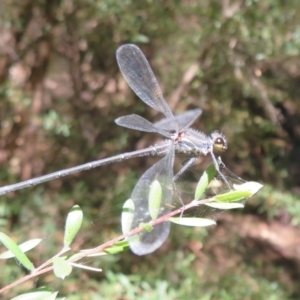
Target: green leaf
<point x="154" y="200"/>
<point x="123" y="243"/>
<point x="73" y="224"/>
<point x="232" y="196"/>
<point x="195" y="222"/>
<point x="204" y="181"/>
<point x="114" y="250"/>
<point x="17" y="252"/>
<point x="52" y="297"/>
<point x="127" y="216"/>
<point x="43" y="293"/>
<point x="250" y="186"/>
<point x="117" y="247"/>
<point x="224" y="205"/>
<point x="61" y="267"/>
<point x="24" y="247"/>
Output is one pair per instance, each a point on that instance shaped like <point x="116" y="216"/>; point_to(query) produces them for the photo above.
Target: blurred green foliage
<point x="61" y="90"/>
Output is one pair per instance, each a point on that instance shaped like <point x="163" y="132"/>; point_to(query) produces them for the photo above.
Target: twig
<point x="39" y="271"/>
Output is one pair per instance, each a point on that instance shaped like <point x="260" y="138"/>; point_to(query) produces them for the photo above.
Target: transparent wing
<point x="137" y="122"/>
<point x="179" y="122"/>
<point x="162" y="172"/>
<point x="139" y="75"/>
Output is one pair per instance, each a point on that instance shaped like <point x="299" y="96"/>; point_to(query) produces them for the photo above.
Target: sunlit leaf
<point x="127" y="216"/>
<point x="61" y="267"/>
<point x="114" y="249"/>
<point x="250" y="186"/>
<point x="154" y="200"/>
<point x="17" y="252"/>
<point x="123" y="243"/>
<point x="232" y="196"/>
<point x="52" y="297"/>
<point x="24" y="247"/>
<point x="117" y="247"/>
<point x="42" y="293"/>
<point x="224" y="205"/>
<point x="195" y="222"/>
<point x="73" y="224"/>
<point x="204" y="181"/>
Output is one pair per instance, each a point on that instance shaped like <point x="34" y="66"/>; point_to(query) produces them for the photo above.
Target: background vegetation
<point x="60" y="91"/>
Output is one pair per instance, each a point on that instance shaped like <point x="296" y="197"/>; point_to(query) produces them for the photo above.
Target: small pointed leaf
<point x="26" y="246"/>
<point x="123" y="243"/>
<point x="127" y="216"/>
<point x="17" y="252"/>
<point x="51" y="297"/>
<point x="250" y="186"/>
<point x="195" y="222"/>
<point x="114" y="250"/>
<point x="38" y="294"/>
<point x="61" y="267"/>
<point x="73" y="224"/>
<point x="154" y="200"/>
<point x="204" y="181"/>
<point x="224" y="205"/>
<point x="118" y="247"/>
<point x="232" y="196"/>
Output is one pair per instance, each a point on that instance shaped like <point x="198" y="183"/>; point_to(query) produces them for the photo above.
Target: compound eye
<point x="220" y="144"/>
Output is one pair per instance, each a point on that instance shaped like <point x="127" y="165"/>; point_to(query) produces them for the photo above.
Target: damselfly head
<point x="219" y="141"/>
